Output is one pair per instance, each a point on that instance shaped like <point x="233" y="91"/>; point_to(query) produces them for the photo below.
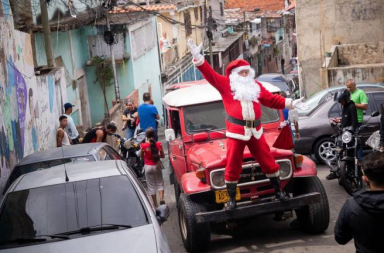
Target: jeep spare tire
<point x="315" y="217"/>
<point x="196" y="237"/>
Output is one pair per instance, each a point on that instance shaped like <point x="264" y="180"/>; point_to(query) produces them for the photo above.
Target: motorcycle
<point x="346" y="165"/>
<point x="130" y="151"/>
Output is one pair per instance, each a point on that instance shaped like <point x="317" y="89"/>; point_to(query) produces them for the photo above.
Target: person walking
<point x="148" y="114"/>
<point x="151" y="152"/>
<point x="129" y="116"/>
<point x="362" y="216"/>
<point x="99" y="134"/>
<point x="361" y="102"/>
<point x="282" y="63"/>
<point x="62" y="138"/>
<point x="71" y="128"/>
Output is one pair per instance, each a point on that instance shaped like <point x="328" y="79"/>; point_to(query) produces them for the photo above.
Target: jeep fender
<point x="191" y="184"/>
<point x="307" y="169"/>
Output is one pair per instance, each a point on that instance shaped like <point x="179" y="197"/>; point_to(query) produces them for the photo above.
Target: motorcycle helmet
<point x="342" y="94"/>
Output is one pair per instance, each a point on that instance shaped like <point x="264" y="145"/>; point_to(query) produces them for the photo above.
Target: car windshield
<point x="313" y="102"/>
<point x="24" y="169"/>
<point x="68" y="207"/>
<point x="281" y="85"/>
<point x="212" y="116"/>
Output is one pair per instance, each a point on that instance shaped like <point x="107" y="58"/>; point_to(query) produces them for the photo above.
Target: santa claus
<point x="242" y="99"/>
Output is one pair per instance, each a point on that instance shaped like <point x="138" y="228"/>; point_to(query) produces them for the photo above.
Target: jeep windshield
<point x="211" y="116"/>
<point x="91" y="206"/>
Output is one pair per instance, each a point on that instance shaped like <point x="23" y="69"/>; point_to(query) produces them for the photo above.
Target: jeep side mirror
<point x="162" y="213"/>
<point x="375" y="114"/>
<point x="170" y="134"/>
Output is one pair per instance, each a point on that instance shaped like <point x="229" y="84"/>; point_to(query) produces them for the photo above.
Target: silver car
<point x="88" y="207"/>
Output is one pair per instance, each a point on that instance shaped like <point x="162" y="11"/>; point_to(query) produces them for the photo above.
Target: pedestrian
<point x="282" y="65"/>
<point x="362" y="216"/>
<point x="293" y="62"/>
<point x="71" y="128"/>
<point x="361" y="102"/>
<point x="151" y="152"/>
<point x="62" y="138"/>
<point x="129" y="117"/>
<point x="348" y="116"/>
<point x="99" y="134"/>
<point x="148" y="114"/>
<point x="242" y="97"/>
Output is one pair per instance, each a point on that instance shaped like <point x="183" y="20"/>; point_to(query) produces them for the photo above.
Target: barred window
<point x="188" y="23"/>
<point x="196" y="10"/>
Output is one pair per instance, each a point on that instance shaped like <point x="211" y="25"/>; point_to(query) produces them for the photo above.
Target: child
<point x="151" y="152"/>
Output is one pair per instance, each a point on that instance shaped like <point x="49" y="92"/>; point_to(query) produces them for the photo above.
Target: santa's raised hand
<point x="195" y="50"/>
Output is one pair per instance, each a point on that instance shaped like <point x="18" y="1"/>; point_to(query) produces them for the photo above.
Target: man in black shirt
<point x="99" y="134"/>
<point x="362" y="216"/>
<point x="348" y="116"/>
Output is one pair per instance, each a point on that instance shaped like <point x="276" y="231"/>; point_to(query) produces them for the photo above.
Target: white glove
<point x="195" y="50"/>
<point x="298" y="104"/>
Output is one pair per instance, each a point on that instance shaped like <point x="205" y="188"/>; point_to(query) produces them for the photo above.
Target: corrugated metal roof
<point x="152" y="7"/>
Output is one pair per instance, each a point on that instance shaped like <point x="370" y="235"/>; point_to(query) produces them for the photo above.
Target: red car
<point x="197" y="152"/>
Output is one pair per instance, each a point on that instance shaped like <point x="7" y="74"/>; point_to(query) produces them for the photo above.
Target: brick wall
<point x="264" y="5"/>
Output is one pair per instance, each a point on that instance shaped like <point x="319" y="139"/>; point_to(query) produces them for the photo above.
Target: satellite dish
<point x="109" y="38"/>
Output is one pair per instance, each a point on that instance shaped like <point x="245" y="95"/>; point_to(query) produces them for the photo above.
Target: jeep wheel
<point x="177" y="190"/>
<point x="325" y="150"/>
<point x="315" y="217"/>
<point x="196" y="237"/>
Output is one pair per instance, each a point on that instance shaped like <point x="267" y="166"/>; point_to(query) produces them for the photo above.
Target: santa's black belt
<point x="247" y="123"/>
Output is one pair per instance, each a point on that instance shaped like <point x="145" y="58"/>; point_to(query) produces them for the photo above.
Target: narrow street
<point x="265" y="234"/>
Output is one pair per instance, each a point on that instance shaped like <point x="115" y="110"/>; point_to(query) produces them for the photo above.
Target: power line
<point x="14" y="67"/>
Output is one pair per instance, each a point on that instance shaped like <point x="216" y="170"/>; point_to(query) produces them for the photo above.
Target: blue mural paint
<point x="18" y="149"/>
<point x="21" y="92"/>
<point x="51" y="89"/>
<point x="34" y="138"/>
<point x="6" y="8"/>
<point x="11" y="76"/>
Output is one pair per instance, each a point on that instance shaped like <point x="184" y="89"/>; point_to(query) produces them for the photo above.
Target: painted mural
<point x="29" y="105"/>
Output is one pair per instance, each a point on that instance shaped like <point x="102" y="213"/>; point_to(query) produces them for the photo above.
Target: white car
<point x="88" y="207"/>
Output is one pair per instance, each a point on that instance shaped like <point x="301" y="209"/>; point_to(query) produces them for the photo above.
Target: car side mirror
<point x="170" y="134"/>
<point x="162" y="213"/>
<point x="375" y="114"/>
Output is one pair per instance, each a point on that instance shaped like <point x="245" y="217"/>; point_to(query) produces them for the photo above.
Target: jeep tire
<point x="196" y="237"/>
<point x="315" y="217"/>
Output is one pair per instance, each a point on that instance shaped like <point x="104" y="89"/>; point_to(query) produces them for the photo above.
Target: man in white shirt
<point x="71" y="128"/>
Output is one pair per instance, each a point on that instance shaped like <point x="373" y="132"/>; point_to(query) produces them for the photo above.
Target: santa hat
<point x="237" y="66"/>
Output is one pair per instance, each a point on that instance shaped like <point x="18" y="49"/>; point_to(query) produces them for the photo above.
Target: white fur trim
<point x="231" y="182"/>
<point x="198" y="62"/>
<point x="274" y="174"/>
<point x="288" y="103"/>
<point x="257" y="134"/>
<point x="238" y="136"/>
<point x="238" y="69"/>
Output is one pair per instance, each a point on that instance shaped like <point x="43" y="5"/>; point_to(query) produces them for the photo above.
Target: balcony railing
<point x="168" y="57"/>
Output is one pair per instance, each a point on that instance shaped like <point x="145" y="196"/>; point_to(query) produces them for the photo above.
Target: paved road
<point x="264" y="234"/>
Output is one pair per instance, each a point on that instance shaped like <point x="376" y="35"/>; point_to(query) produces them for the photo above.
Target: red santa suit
<point x="238" y="135"/>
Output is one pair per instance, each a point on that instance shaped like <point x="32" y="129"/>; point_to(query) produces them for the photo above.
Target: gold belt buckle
<point x="249" y="123"/>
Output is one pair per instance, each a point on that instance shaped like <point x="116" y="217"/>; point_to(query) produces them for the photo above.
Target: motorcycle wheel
<point x="350" y="183"/>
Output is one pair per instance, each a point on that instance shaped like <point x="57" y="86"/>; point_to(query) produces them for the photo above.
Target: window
<point x="335" y="111"/>
<point x="196" y="11"/>
<point x="175" y="123"/>
<point x="221" y="9"/>
<point x="188" y="24"/>
<point x="113" y="154"/>
<point x="379" y="99"/>
<point x="67" y="207"/>
<point x="104" y="155"/>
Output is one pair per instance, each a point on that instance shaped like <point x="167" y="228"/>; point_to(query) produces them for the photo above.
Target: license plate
<point x="223" y="197"/>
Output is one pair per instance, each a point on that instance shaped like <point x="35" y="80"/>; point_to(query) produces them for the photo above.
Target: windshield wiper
<point x="87" y="230"/>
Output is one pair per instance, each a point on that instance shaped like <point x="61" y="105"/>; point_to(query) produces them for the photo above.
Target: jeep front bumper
<point x="252" y="210"/>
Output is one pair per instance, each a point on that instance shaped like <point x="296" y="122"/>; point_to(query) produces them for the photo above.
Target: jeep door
<point x="176" y="147"/>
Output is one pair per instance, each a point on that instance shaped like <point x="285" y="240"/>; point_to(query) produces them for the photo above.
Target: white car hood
<point x="140" y="239"/>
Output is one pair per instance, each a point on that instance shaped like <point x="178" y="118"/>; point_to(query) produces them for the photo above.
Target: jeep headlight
<point x="218" y="179"/>
<point x="346" y="137"/>
<point x="285" y="169"/>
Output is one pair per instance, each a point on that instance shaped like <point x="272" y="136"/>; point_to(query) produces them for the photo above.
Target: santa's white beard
<point x="244" y="88"/>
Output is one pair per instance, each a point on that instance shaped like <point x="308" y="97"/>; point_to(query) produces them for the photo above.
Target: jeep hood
<point x="212" y="154"/>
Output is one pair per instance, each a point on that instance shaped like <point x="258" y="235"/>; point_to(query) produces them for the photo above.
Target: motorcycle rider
<point x="348" y="116"/>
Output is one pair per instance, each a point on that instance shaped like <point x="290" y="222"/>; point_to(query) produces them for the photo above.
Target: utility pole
<point x="47" y="34"/>
<point x="209" y="32"/>
<point x="117" y="89"/>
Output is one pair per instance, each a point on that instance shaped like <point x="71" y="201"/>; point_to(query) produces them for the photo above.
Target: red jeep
<point x="197" y="153"/>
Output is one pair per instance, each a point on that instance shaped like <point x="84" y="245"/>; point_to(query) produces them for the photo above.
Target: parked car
<point x="197" y="153"/>
<point x="280" y="81"/>
<point x="67" y="154"/>
<point x="316" y="129"/>
<point x="319" y="97"/>
<point x="89" y="207"/>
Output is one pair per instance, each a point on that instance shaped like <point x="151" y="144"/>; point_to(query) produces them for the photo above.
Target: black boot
<point x="231" y="204"/>
<point x="280" y="195"/>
